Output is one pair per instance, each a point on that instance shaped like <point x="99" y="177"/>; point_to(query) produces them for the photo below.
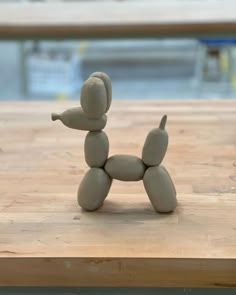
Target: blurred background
<point x="149" y="68"/>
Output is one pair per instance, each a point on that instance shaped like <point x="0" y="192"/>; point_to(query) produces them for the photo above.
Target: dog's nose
<point x="55" y="116"/>
<point x="75" y="118"/>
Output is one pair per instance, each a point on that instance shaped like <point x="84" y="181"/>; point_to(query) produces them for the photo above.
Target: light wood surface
<point x="46" y="239"/>
<point x="117" y="18"/>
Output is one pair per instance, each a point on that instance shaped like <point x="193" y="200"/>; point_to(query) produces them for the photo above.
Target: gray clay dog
<point x="95" y="99"/>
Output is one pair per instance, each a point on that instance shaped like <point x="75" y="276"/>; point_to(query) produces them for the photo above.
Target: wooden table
<point x="117" y="19"/>
<point x="46" y="239"/>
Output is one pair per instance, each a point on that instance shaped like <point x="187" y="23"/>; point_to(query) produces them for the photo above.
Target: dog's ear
<point x="93" y="98"/>
<point x="107" y="82"/>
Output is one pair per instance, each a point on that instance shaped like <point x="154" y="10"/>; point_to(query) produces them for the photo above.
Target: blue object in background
<point x="218" y="41"/>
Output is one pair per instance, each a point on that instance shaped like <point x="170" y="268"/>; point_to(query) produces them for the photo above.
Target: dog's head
<point x="95" y="100"/>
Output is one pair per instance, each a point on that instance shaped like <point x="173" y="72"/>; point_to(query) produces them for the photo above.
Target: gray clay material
<point x="96" y="97"/>
<point x="93" y="98"/>
<point x="164" y="168"/>
<point x="96" y="148"/>
<point x="75" y="118"/>
<point x="93" y="189"/>
<point x="125" y="167"/>
<point x="107" y="82"/>
<point x="160" y="189"/>
<point x="155" y="145"/>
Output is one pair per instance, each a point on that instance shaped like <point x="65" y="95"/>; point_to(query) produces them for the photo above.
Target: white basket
<point x="53" y="76"/>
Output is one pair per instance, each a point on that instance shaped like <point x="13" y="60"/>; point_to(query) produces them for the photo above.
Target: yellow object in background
<point x="61" y="97"/>
<point x="83" y="46"/>
<point x="224" y="61"/>
<point x="233" y="82"/>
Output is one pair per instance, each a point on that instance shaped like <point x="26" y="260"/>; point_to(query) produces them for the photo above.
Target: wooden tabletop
<point x="117" y="19"/>
<point x="46" y="239"/>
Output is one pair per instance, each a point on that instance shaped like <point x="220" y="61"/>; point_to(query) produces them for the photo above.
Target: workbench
<point x="46" y="239"/>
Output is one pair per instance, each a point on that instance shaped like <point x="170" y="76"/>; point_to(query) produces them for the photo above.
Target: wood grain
<point x="46" y="239"/>
<point x="116" y="19"/>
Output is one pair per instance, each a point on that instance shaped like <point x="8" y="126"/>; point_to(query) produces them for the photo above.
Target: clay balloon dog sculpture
<point x="96" y="96"/>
